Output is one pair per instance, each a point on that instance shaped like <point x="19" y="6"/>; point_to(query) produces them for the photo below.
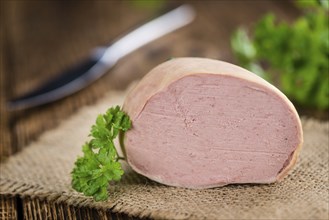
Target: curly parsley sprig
<point x="294" y="56"/>
<point x="99" y="164"/>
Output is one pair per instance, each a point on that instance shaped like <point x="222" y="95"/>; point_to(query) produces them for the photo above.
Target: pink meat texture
<point x="201" y="123"/>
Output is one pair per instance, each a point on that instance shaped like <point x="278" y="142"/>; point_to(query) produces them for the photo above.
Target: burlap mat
<point x="43" y="170"/>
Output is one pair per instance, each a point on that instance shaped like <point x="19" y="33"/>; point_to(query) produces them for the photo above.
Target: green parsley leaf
<point x="294" y="56"/>
<point x="99" y="164"/>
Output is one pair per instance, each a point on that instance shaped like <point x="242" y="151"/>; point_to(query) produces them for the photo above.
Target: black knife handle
<point x="47" y="92"/>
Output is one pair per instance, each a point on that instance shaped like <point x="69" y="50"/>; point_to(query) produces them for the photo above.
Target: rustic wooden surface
<point x="41" y="38"/>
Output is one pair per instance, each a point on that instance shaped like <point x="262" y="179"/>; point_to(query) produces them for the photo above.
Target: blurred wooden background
<point x="39" y="39"/>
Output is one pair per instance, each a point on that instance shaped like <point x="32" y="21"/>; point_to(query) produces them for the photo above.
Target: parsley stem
<point x="120" y="158"/>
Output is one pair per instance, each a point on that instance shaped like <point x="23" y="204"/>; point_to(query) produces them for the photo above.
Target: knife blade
<point x="102" y="59"/>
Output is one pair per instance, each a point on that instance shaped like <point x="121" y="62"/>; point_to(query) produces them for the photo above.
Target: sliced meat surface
<point x="201" y="123"/>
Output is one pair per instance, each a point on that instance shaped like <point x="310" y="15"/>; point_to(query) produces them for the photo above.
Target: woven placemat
<point x="42" y="171"/>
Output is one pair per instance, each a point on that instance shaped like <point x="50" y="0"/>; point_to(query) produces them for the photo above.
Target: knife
<point x="102" y="59"/>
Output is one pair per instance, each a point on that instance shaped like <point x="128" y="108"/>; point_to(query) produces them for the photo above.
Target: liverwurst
<point x="201" y="123"/>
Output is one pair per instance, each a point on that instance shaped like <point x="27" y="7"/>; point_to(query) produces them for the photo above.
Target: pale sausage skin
<point x="201" y="123"/>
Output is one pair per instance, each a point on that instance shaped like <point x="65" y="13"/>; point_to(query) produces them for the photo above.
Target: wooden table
<point x="41" y="39"/>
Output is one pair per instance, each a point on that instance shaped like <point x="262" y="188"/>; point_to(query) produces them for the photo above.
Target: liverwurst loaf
<point x="201" y="123"/>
